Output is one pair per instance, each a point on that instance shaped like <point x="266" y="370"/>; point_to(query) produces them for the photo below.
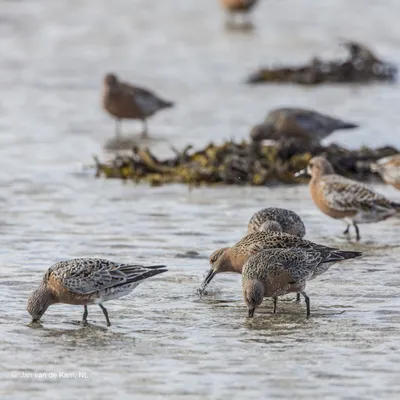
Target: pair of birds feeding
<point x="274" y="258"/>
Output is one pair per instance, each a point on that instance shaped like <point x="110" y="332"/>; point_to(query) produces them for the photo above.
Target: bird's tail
<point x="256" y="77"/>
<point x="136" y="273"/>
<point x="340" y="255"/>
<point x="166" y="103"/>
<point x="347" y="125"/>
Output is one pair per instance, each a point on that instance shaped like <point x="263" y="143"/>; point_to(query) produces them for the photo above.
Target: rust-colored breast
<point x="238" y="5"/>
<point x="318" y="197"/>
<point x="63" y="295"/>
<point x="238" y="260"/>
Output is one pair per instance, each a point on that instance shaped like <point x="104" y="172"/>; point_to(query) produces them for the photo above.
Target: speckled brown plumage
<point x="276" y="272"/>
<point x="346" y="199"/>
<point x="298" y="123"/>
<point x="288" y="221"/>
<point x="84" y="281"/>
<point x="125" y="101"/>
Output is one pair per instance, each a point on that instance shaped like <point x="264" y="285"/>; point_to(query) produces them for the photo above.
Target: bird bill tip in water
<point x="34" y="323"/>
<point x="302" y="172"/>
<point x="210" y="275"/>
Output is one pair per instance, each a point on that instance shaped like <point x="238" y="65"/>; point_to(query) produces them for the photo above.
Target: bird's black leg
<point x="307" y="299"/>
<point x="145" y="132"/>
<point x="105" y="314"/>
<point x="85" y="315"/>
<point x="117" y="127"/>
<point x="275" y="299"/>
<point x="246" y="21"/>
<point x="298" y="298"/>
<point x="358" y="237"/>
<point x="230" y="21"/>
<point x="347" y="230"/>
<point x="251" y="312"/>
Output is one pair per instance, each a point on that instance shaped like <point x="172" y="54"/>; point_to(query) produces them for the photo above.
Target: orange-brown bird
<point x="235" y="7"/>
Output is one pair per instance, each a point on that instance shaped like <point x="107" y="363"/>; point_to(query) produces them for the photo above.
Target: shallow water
<point x="165" y="341"/>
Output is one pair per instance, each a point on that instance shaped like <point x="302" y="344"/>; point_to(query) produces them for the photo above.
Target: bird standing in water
<point x="346" y="199"/>
<point x="85" y="281"/>
<point x="125" y="101"/>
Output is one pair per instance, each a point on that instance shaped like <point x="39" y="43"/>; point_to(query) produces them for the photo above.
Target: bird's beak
<point x="251" y="312"/>
<point x="207" y="280"/>
<point x="302" y="172"/>
<point x="35" y="323"/>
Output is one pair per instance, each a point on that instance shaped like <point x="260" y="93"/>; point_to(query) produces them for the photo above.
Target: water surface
<point x="165" y="342"/>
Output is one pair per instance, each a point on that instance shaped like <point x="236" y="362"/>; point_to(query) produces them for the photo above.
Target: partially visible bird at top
<point x="235" y="8"/>
<point x="346" y="199"/>
<point x="299" y="123"/>
<point x="389" y="169"/>
<point x="125" y="101"/>
<point x="277" y="219"/>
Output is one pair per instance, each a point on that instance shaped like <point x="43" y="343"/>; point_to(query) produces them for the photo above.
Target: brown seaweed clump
<point x="361" y="66"/>
<point x="239" y="163"/>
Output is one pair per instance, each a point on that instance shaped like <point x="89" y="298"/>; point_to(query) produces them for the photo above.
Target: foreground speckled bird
<point x="298" y="123"/>
<point x="232" y="259"/>
<point x="346" y="199"/>
<point x="389" y="169"/>
<point x="276" y="272"/>
<point x="235" y="7"/>
<point x="85" y="281"/>
<point x="125" y="101"/>
<point x="277" y="219"/>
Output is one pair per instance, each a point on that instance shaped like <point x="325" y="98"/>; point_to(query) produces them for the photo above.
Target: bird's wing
<point x="344" y="194"/>
<point x="85" y="276"/>
<point x="281" y="240"/>
<point x="300" y="263"/>
<point x="146" y="100"/>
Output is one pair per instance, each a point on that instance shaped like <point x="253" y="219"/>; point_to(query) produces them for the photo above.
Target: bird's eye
<point x="214" y="258"/>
